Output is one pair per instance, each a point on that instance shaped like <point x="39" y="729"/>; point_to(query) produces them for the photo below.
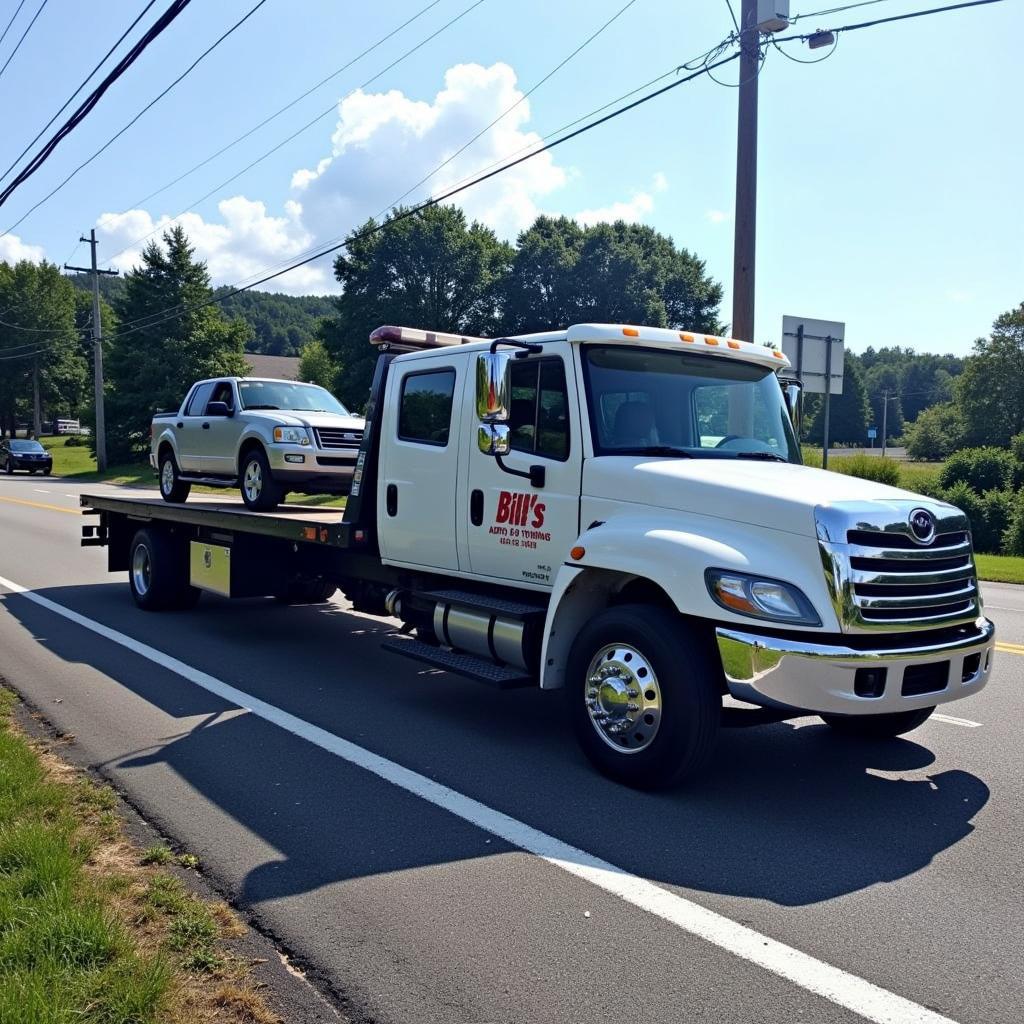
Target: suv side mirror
<point x="493" y="386"/>
<point x="218" y="409"/>
<point x="794" y="403"/>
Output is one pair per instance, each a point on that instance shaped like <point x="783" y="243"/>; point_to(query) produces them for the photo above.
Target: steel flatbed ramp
<point x="288" y="522"/>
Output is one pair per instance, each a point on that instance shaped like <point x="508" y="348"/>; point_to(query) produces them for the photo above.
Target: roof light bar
<point x="412" y="339"/>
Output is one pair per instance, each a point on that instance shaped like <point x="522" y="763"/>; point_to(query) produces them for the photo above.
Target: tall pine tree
<point x="153" y="359"/>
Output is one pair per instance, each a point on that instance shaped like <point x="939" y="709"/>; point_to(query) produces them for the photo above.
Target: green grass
<point x="1000" y="568"/>
<point x="65" y="957"/>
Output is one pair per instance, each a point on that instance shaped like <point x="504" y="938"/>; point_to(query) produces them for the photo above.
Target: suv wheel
<point x="260" y="491"/>
<point x="172" y="487"/>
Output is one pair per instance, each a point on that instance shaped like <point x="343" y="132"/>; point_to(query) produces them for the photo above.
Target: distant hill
<point x="282" y="324"/>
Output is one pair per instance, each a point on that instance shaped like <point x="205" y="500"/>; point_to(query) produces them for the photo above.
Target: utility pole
<point x="97" y="341"/>
<point x="37" y="416"/>
<point x="745" y="226"/>
<point x="886" y="399"/>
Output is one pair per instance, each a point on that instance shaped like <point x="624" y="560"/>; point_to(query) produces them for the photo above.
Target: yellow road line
<point x="39" y="504"/>
<point x="1010" y="648"/>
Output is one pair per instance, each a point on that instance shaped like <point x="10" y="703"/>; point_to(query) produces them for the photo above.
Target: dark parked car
<point x="30" y="455"/>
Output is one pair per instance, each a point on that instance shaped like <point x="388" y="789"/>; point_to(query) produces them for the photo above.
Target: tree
<point x="154" y="358"/>
<point x="882" y="382"/>
<point x="316" y="365"/>
<point x="433" y="271"/>
<point x="38" y="316"/>
<point x="616" y="273"/>
<point x="990" y="392"/>
<point x="849" y="413"/>
<point x="935" y="434"/>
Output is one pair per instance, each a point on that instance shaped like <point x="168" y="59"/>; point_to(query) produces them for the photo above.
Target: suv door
<point x="219" y="434"/>
<point x="188" y="429"/>
<point x="419" y="463"/>
<point x="517" y="531"/>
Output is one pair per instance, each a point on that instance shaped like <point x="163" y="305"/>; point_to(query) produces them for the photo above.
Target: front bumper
<point x="319" y="470"/>
<point x="797" y="673"/>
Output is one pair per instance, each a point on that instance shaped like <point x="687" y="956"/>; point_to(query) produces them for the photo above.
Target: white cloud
<point x="381" y="145"/>
<point x="13" y="249"/>
<point x="718" y="216"/>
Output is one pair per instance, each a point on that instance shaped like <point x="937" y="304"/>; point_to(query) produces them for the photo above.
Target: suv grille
<point x="330" y="438"/>
<point x="897" y="581"/>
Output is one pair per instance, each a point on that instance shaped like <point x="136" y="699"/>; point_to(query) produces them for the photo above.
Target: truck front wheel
<point x="878" y="727"/>
<point x="643" y="696"/>
<point x="158" y="572"/>
<point x="260" y="491"/>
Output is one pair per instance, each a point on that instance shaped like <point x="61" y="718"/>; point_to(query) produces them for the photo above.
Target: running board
<point x="209" y="481"/>
<point x="502" y="677"/>
<point x="487" y="603"/>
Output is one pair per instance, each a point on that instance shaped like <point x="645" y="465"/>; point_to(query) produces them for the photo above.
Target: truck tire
<point x="158" y="572"/>
<point x="307" y="592"/>
<point x="878" y="727"/>
<point x="172" y="487"/>
<point x="260" y="492"/>
<point x="643" y="695"/>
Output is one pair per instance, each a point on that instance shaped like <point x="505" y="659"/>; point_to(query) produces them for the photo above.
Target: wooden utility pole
<point x="37" y="416"/>
<point x="97" y="340"/>
<point x="746" y="177"/>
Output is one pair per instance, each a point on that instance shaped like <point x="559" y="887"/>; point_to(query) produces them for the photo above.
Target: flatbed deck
<point x="298" y="523"/>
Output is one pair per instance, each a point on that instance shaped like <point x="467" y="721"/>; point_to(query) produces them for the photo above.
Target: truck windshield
<point x="283" y="394"/>
<point x="664" y="403"/>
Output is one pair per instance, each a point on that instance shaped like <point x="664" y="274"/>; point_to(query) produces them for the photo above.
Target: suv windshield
<point x="27" y="446"/>
<point x="282" y="394"/>
<point x="658" y="402"/>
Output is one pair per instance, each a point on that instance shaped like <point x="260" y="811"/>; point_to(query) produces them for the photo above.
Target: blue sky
<point x="889" y="176"/>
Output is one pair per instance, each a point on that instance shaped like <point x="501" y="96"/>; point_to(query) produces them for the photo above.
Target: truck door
<point x="188" y="430"/>
<point x="419" y="463"/>
<point x="519" y="532"/>
<point x="218" y="435"/>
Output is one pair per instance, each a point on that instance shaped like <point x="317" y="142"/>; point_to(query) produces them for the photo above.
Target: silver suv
<point x="267" y="437"/>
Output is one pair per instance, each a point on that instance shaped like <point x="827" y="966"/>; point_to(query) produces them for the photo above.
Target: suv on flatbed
<point x="267" y="437"/>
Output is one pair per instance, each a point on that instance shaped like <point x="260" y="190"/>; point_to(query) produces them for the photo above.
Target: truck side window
<point x="201" y="395"/>
<point x="539" y="420"/>
<point x="222" y="393"/>
<point x="425" y="410"/>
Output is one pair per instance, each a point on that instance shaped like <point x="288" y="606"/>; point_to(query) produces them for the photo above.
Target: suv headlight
<point x="291" y="435"/>
<point x="760" y="598"/>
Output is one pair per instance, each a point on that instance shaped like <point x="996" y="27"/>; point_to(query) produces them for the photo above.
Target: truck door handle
<point x="391" y="499"/>
<point x="180" y="425"/>
<point x="476" y="507"/>
<point x="206" y="426"/>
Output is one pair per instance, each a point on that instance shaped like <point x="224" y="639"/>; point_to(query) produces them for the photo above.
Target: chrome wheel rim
<point x="167" y="477"/>
<point x="253" y="482"/>
<point x="142" y="570"/>
<point x="623" y="698"/>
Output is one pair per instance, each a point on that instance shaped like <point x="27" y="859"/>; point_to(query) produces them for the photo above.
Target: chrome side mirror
<point x="794" y="403"/>
<point x="493" y="439"/>
<point x="493" y="386"/>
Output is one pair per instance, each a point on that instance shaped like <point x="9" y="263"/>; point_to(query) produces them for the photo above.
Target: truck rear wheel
<point x="260" y="491"/>
<point x="172" y="487"/>
<point x="301" y="591"/>
<point x="878" y="727"/>
<point x="158" y="572"/>
<point x="643" y="696"/>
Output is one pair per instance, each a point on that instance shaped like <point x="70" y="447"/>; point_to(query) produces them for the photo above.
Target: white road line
<point x="847" y="990"/>
<point x="40" y="490"/>
<point x="952" y="720"/>
<point x="1002" y="607"/>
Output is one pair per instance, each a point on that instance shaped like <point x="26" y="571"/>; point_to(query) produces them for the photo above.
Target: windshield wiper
<point x="763" y="456"/>
<point x="651" y="449"/>
<point x="262" y="407"/>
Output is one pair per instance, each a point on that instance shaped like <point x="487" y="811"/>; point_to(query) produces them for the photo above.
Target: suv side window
<point x="201" y="395"/>
<point x="425" y="408"/>
<point x="539" y="420"/>
<point x="223" y="392"/>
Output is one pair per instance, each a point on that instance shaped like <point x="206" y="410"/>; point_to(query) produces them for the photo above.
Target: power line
<point x="173" y="312"/>
<point x="287" y="106"/>
<point x="309" y="124"/>
<point x="835" y="10"/>
<point x="895" y="17"/>
<point x="156" y="99"/>
<point x="89" y="103"/>
<point x="526" y="95"/>
<point x="85" y="81"/>
<point x="17" y="11"/>
<point x="732" y="14"/>
<point x="17" y="45"/>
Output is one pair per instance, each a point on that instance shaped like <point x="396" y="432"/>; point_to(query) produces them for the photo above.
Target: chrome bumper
<point x="777" y="672"/>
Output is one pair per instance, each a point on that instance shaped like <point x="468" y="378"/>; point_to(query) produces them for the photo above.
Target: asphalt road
<point x="347" y="818"/>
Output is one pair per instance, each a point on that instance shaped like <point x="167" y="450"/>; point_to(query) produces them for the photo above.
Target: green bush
<point x="935" y="434"/>
<point x="920" y="479"/>
<point x="811" y="455"/>
<point x="1013" y="536"/>
<point x="970" y="503"/>
<point x="998" y="509"/>
<point x="76" y="441"/>
<point x="869" y="467"/>
<point x="982" y="469"/>
<point x="1017" y="447"/>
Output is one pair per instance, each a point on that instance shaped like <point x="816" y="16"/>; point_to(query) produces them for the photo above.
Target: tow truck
<point x="615" y="511"/>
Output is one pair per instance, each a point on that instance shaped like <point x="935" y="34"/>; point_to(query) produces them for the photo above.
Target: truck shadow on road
<point x="793" y="815"/>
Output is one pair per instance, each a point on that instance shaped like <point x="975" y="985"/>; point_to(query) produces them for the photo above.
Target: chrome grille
<point x="882" y="578"/>
<point x="331" y="438"/>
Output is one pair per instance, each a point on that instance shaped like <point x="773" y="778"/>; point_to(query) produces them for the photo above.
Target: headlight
<point x="291" y="435"/>
<point x="760" y="598"/>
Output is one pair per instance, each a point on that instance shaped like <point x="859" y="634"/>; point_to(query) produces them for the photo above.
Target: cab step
<point x="502" y="677"/>
<point x="522" y="611"/>
<point x="209" y="481"/>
